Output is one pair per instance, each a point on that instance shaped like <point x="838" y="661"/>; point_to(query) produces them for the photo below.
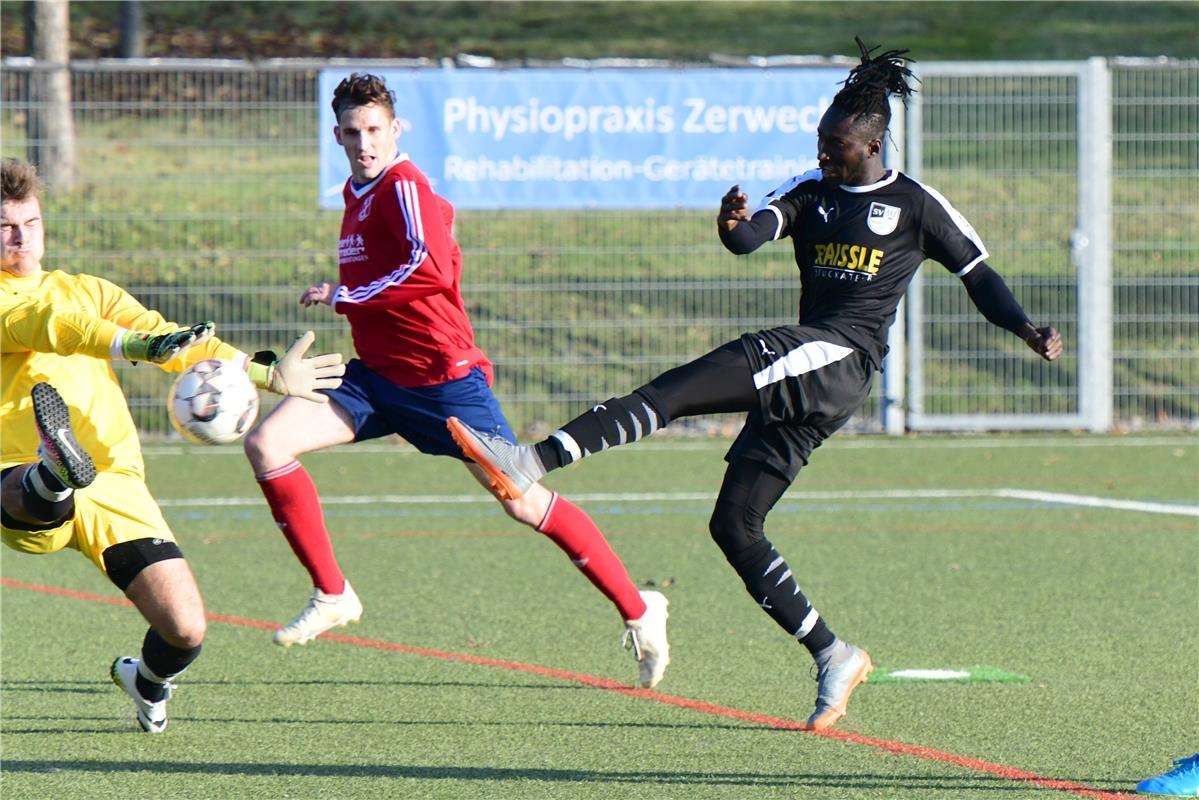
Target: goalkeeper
<point x="71" y="464"/>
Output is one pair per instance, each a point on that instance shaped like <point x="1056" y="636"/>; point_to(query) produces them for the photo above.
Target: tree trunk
<point x="133" y="41"/>
<point x="51" y="128"/>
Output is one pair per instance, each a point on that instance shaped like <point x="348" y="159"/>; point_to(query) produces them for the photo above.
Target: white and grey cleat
<point x="323" y="612"/>
<point x="647" y="637"/>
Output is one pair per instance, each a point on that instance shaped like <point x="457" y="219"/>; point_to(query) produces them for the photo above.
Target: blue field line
<point x="686" y="507"/>
<point x="1004" y="498"/>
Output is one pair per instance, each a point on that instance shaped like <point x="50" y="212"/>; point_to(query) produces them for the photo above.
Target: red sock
<point x="571" y="529"/>
<point x="296" y="507"/>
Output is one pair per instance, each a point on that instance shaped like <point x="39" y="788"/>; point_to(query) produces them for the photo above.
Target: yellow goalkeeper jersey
<point x="47" y="337"/>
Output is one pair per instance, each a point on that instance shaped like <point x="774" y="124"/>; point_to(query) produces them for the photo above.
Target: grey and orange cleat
<point x="512" y="468"/>
<point x="835" y="683"/>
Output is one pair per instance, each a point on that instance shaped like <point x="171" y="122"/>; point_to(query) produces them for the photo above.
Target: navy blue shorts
<point x="380" y="408"/>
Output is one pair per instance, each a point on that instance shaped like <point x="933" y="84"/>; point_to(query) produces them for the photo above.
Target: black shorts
<point x="809" y="383"/>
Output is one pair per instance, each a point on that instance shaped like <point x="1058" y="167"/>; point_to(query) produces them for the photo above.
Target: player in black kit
<point x="859" y="231"/>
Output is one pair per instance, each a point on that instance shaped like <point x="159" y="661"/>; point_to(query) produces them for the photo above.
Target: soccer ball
<point x="213" y="402"/>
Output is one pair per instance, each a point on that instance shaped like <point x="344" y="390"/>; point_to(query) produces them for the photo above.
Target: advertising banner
<point x="601" y="138"/>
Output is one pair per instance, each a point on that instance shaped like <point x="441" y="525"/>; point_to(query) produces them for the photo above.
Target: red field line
<point x="607" y="684"/>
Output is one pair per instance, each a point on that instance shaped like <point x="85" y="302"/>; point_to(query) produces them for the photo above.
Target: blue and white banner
<point x="605" y="138"/>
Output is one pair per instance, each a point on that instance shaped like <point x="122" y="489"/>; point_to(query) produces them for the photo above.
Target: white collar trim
<point x="359" y="191"/>
<point x="889" y="178"/>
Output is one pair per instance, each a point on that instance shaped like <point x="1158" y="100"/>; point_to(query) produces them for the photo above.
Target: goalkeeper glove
<point x="159" y="348"/>
<point x="295" y="375"/>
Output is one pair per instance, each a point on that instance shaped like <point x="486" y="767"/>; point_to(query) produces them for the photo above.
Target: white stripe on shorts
<point x="805" y="358"/>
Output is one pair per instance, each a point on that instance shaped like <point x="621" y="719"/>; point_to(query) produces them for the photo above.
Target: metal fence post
<point x="1092" y="246"/>
<point x="912" y="307"/>
<point x="893" y="401"/>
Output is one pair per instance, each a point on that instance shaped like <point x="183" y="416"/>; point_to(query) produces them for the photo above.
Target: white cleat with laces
<point x="647" y="637"/>
<point x="323" y="612"/>
<point x="151" y="716"/>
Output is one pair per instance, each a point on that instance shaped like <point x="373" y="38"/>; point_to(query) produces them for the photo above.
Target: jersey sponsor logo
<point x="351" y="249"/>
<point x="847" y="262"/>
<point x="882" y="218"/>
<point x="365" y="211"/>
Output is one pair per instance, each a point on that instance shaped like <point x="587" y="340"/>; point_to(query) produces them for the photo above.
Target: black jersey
<point x="858" y="247"/>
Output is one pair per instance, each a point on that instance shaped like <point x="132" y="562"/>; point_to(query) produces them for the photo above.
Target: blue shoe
<point x="1182" y="781"/>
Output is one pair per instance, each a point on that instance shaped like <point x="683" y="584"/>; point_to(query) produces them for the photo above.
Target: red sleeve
<point x="427" y="260"/>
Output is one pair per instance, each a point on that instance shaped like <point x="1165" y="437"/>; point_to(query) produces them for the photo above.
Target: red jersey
<point x="399" y="271"/>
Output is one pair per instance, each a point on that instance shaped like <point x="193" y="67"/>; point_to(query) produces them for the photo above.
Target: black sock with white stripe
<point x="717" y="383"/>
<point x="769" y="581"/>
<point x="620" y="420"/>
<point x="160" y="662"/>
<point x="44" y="496"/>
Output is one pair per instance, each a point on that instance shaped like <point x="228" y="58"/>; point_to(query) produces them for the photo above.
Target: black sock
<point x="41" y="508"/>
<point x="552" y="454"/>
<point x="52" y="481"/>
<point x="768" y="580"/>
<point x="164" y="661"/>
<point x="617" y="421"/>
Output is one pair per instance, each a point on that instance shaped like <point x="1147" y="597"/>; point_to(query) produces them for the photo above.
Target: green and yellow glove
<point x="159" y="348"/>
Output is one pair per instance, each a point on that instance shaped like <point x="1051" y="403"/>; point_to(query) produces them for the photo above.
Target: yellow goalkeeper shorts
<point x="115" y="508"/>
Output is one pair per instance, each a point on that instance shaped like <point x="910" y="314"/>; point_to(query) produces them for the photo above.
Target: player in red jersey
<point x="417" y="365"/>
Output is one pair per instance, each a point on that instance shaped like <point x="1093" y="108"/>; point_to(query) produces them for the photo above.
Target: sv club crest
<point x="882" y="218"/>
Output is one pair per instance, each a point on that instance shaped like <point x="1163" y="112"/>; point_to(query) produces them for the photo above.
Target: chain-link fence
<point x="1155" y="192"/>
<point x="196" y="190"/>
<point x="1006" y="141"/>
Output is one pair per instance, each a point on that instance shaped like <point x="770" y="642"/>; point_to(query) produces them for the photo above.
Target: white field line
<point x="1100" y="502"/>
<point x="852" y="442"/>
<point x="658" y="497"/>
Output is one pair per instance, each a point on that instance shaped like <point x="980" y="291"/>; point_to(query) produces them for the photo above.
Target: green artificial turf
<point x="1094" y="605"/>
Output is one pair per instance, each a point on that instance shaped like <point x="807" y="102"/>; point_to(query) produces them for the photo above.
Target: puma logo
<point x="825" y="213"/>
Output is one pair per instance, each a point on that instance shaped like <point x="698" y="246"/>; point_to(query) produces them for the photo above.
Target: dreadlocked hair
<point x="871" y="83"/>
